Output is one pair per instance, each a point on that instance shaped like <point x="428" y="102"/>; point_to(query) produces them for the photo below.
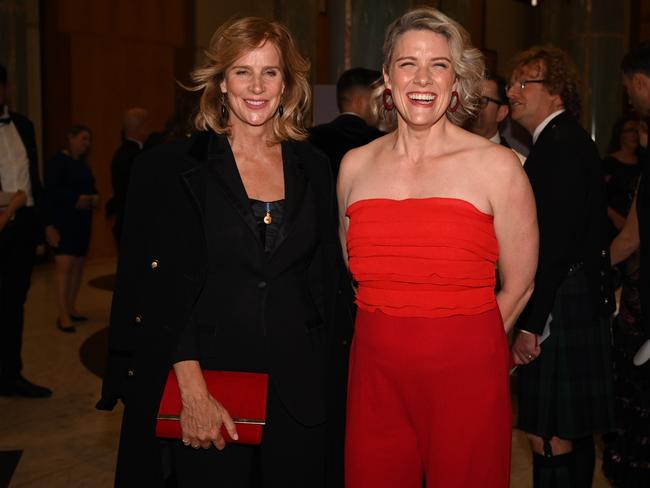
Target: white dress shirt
<point x="14" y="163"/>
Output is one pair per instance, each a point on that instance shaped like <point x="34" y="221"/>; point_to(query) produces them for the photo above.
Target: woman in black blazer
<point x="230" y="261"/>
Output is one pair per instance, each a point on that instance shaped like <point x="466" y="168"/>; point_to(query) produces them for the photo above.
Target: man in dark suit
<point x="636" y="232"/>
<point x="565" y="384"/>
<point x="354" y="127"/>
<point x="636" y="79"/>
<point x="136" y="129"/>
<point x="626" y="460"/>
<point x="494" y="110"/>
<point x="18" y="240"/>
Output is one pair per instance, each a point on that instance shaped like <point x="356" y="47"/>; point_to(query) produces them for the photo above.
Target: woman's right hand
<point x="201" y="416"/>
<point x="201" y="419"/>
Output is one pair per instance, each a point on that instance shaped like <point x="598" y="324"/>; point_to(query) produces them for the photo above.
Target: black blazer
<point x="337" y="137"/>
<point x="120" y="171"/>
<point x="121" y="166"/>
<point x="566" y="176"/>
<point x="162" y="272"/>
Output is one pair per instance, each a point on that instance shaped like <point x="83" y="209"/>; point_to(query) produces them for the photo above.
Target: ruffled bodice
<point x="427" y="257"/>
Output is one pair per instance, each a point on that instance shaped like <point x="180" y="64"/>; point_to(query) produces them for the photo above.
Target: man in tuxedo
<point x="18" y="239"/>
<point x="136" y="130"/>
<point x="636" y="232"/>
<point x="494" y="110"/>
<point x="355" y="126"/>
<point x="564" y="385"/>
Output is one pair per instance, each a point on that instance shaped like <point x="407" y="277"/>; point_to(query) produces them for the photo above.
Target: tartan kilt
<point x="568" y="390"/>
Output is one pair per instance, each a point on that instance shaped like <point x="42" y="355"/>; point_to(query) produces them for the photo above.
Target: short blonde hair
<point x="234" y="39"/>
<point x="466" y="60"/>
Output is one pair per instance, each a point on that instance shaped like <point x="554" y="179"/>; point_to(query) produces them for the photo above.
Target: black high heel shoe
<point x="78" y="318"/>
<point x="68" y="330"/>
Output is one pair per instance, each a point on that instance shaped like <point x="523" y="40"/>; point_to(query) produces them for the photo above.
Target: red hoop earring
<point x="454" y="103"/>
<point x="387" y="98"/>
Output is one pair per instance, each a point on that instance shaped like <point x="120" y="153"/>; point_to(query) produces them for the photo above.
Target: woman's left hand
<point x="202" y="415"/>
<point x="52" y="236"/>
<point x="201" y="419"/>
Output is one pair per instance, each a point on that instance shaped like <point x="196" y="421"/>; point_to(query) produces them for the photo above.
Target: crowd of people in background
<point x="418" y="199"/>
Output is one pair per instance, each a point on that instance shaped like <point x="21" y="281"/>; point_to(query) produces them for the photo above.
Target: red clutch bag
<point x="242" y="394"/>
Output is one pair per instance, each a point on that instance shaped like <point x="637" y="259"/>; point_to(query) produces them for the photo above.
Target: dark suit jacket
<point x="566" y="176"/>
<point x="25" y="129"/>
<point x="345" y="132"/>
<point x="121" y="166"/>
<point x="162" y="272"/>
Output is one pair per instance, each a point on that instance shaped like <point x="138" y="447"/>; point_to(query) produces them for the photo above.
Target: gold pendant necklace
<point x="267" y="218"/>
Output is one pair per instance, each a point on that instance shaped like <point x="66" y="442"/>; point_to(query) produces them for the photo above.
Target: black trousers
<point x="290" y="456"/>
<point x="17" y="252"/>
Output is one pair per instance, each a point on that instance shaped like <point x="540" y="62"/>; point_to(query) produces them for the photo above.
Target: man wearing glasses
<point x="494" y="110"/>
<point x="564" y="385"/>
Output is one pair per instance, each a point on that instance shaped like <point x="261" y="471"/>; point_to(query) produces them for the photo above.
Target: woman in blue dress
<point x="72" y="196"/>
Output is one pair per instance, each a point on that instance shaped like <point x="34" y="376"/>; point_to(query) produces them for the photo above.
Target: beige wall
<point x="208" y="15"/>
<point x="100" y="58"/>
<point x="507" y="30"/>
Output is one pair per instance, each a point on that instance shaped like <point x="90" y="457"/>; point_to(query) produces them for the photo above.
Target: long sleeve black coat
<point x="162" y="272"/>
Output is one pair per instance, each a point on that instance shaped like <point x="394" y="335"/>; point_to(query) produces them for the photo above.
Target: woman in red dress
<point x="427" y="212"/>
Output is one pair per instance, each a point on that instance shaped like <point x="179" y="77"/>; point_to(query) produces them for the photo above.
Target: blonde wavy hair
<point x="234" y="39"/>
<point x="466" y="60"/>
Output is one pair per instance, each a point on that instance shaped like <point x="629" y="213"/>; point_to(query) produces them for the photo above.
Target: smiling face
<point x="532" y="104"/>
<point x="421" y="77"/>
<point x="253" y="85"/>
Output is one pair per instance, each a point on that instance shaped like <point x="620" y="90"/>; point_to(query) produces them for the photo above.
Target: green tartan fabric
<point x="568" y="390"/>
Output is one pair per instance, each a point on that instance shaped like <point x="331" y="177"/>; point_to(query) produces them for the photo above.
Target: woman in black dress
<point x="72" y="196"/>
<point x="622" y="169"/>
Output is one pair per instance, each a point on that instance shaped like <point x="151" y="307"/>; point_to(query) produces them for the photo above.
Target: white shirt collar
<point x="496" y="138"/>
<point x="350" y="113"/>
<point x="544" y="123"/>
<point x="140" y="145"/>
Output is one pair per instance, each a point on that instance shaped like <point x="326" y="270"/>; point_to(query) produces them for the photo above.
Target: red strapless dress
<point x="428" y="389"/>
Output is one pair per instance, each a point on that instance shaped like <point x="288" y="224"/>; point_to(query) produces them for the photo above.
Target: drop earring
<point x="387" y="99"/>
<point x="454" y="102"/>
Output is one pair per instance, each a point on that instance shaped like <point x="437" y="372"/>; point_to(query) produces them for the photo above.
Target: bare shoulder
<point x="490" y="158"/>
<point x="357" y="161"/>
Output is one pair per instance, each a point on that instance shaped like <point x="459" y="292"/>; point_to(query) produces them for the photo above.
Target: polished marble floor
<point x="65" y="441"/>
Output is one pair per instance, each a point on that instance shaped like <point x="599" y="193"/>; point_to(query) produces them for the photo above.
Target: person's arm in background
<point x="627" y="241"/>
<point x="17" y="201"/>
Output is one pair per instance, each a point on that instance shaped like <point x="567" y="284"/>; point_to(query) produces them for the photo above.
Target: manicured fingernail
<point x="236" y="436"/>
